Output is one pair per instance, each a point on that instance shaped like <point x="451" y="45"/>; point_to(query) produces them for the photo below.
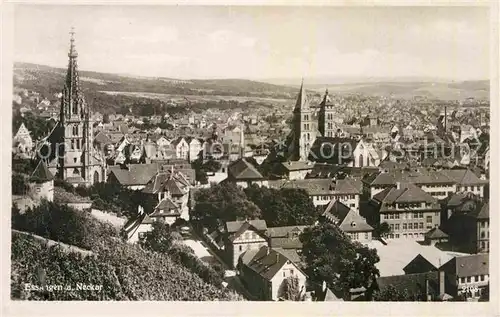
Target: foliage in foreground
<point x="162" y="239"/>
<point x="62" y="223"/>
<point x="333" y="257"/>
<point x="125" y="272"/>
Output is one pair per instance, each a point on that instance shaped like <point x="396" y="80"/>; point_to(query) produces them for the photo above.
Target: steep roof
<point x="244" y="227"/>
<point x="234" y="226"/>
<point x="266" y="262"/>
<point x="278" y="232"/>
<point x="42" y="173"/>
<point x="297" y="165"/>
<point x="435" y="233"/>
<point x="134" y="174"/>
<point x="321" y="186"/>
<point x="463" y="177"/>
<point x="413" y="283"/>
<point x="242" y="170"/>
<point x="484" y="212"/>
<point x="345" y="218"/>
<point x="470" y="265"/>
<point x="407" y="193"/>
<point x="165" y="207"/>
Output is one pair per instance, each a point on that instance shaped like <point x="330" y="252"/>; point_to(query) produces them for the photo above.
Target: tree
<point x="382" y="230"/>
<point x="291" y="289"/>
<point x="105" y="118"/>
<point x="223" y="202"/>
<point x="332" y="257"/>
<point x="19" y="184"/>
<point x="160" y="238"/>
<point x="283" y="207"/>
<point x="392" y="294"/>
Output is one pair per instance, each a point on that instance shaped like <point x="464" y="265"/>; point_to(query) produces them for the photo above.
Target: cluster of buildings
<point x="359" y="175"/>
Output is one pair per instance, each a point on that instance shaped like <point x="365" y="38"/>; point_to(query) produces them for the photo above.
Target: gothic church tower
<point x="326" y="124"/>
<point x="304" y="128"/>
<point x="73" y="155"/>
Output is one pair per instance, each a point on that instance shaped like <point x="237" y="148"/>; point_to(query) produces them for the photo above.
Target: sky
<point x="259" y="42"/>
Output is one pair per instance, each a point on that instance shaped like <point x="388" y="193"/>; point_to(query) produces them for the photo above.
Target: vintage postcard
<point x="236" y="153"/>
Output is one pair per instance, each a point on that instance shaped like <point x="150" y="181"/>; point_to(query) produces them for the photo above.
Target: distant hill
<point x="405" y="87"/>
<point x="27" y="75"/>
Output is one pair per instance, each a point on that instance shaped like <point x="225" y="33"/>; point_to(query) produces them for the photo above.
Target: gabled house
<point x="286" y="237"/>
<point x="244" y="174"/>
<point x="465" y="274"/>
<point x="181" y="147"/>
<point x="170" y="190"/>
<point x="242" y="236"/>
<point x="265" y="272"/>
<point x="349" y="221"/>
<point x="133" y="176"/>
<point x="292" y="170"/>
<point x="409" y="211"/>
<point x="468" y="223"/>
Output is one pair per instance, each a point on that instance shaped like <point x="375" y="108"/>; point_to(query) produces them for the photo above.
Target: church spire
<point x="302" y="97"/>
<point x="72" y="51"/>
<point x="72" y="100"/>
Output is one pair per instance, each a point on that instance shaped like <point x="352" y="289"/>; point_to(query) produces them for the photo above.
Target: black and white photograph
<point x="250" y="153"/>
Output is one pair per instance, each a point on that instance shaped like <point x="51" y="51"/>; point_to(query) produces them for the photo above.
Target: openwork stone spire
<point x="73" y="104"/>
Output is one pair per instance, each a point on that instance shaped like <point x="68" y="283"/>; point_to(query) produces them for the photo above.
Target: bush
<point x="126" y="272"/>
<point x="19" y="184"/>
<point x="162" y="239"/>
<point x="65" y="224"/>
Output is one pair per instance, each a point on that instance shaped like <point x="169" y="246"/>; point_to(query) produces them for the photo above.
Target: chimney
<point x="398" y="185"/>
<point x="277" y="257"/>
<point x="428" y="296"/>
<point x="323" y="287"/>
<point x="441" y="281"/>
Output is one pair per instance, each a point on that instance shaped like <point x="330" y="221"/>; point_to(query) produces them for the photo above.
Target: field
<point x="435" y="90"/>
<point x="198" y="98"/>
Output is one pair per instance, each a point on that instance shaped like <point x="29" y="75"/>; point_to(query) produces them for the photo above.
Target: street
<point x="202" y="251"/>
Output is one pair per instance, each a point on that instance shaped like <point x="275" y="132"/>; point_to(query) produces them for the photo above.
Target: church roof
<point x="42" y="172"/>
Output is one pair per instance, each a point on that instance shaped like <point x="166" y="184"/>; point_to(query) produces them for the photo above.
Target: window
<point x="410" y="226"/>
<point x="415" y="225"/>
<point x="366" y="235"/>
<point x="396" y="216"/>
<point x="391" y="236"/>
<point x="396" y="226"/>
<point x="436" y="213"/>
<point x="391" y="216"/>
<point x="421" y="225"/>
<point x="391" y="226"/>
<point x="410" y="235"/>
<point x="482" y="277"/>
<point x="291" y="272"/>
<point x="429" y="219"/>
<point x="284" y="274"/>
<point x="468" y="279"/>
<point x="405" y="235"/>
<point x="405" y="226"/>
<point x="74" y="160"/>
<point x="483" y="235"/>
<point x="483" y="224"/>
<point x="397" y="235"/>
<point x="142" y="235"/>
<point x="462" y="280"/>
<point x="241" y="248"/>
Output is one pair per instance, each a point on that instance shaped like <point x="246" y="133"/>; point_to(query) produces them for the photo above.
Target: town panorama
<point x="138" y="188"/>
